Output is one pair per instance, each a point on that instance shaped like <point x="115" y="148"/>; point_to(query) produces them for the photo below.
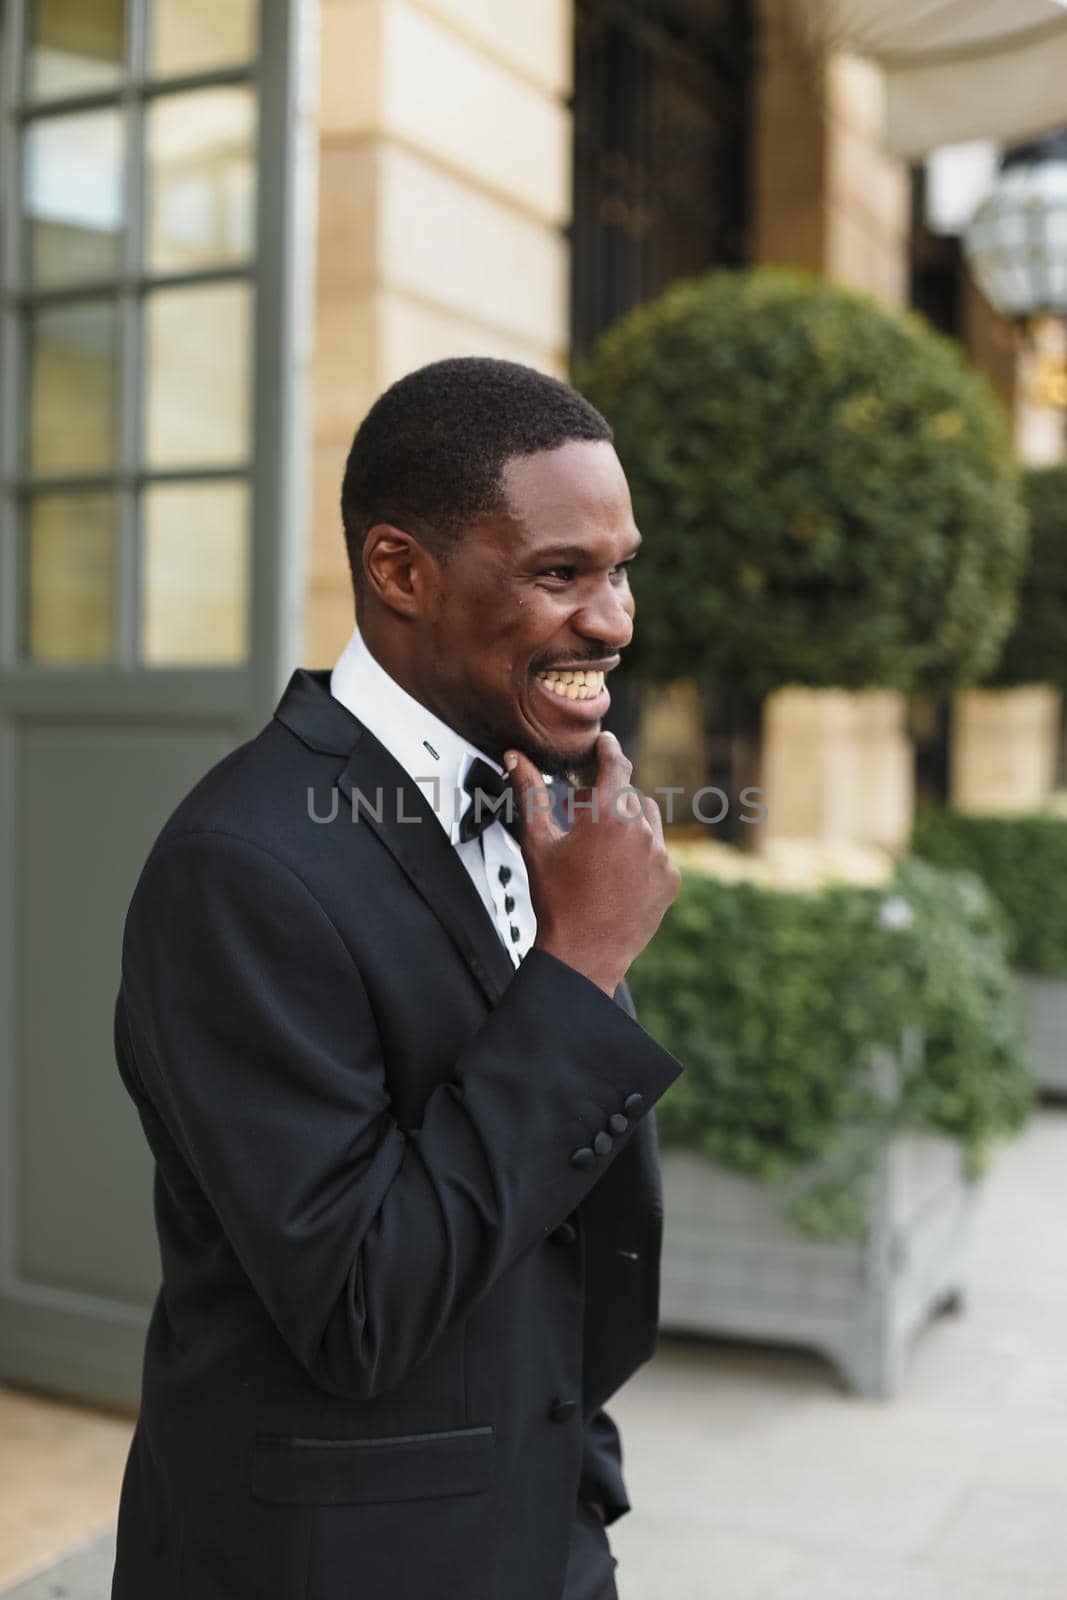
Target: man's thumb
<point x="533" y="798"/>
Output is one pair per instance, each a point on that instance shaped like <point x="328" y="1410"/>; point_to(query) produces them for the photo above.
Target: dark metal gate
<point x="662" y="92"/>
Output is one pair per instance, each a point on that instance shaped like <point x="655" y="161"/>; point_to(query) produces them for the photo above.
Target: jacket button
<point x="633" y="1105"/>
<point x="566" y="1233"/>
<point x="617" y="1123"/>
<point x="583" y="1159"/>
<point x="602" y="1144"/>
<point x="562" y="1410"/>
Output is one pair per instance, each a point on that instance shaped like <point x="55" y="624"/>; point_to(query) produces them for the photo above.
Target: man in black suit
<point x="406" y="1185"/>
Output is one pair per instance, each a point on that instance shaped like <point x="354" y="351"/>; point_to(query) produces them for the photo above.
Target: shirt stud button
<point x="602" y="1144"/>
<point x="633" y="1105"/>
<point x="584" y="1158"/>
<point x="617" y="1123"/>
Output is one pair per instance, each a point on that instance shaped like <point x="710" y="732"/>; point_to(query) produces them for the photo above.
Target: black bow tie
<point x="492" y="800"/>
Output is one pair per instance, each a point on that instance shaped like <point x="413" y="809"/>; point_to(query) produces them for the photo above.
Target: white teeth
<point x="573" y="685"/>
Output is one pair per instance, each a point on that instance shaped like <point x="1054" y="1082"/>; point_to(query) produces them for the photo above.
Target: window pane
<point x="198" y="379"/>
<point x="74" y="388"/>
<point x="75" y="45"/>
<point x="72" y="189"/>
<point x="201" y="176"/>
<point x="71" y="578"/>
<point x="195" y="35"/>
<point x="195" y="573"/>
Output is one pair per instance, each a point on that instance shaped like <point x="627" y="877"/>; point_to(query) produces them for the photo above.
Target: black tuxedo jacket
<point x="405" y="1262"/>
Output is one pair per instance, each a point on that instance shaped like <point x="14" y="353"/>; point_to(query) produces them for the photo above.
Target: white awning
<point x="955" y="69"/>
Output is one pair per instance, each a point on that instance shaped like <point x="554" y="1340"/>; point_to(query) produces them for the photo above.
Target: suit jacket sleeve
<point x="601" y="1476"/>
<point x="253" y="1036"/>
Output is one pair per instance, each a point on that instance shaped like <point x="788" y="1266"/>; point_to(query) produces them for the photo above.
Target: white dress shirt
<point x="438" y="758"/>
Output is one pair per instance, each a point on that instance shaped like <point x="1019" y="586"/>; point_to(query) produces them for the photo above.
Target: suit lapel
<point x="382" y="796"/>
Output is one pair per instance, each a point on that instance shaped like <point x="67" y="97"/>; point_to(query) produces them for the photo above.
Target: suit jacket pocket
<point x="413" y="1466"/>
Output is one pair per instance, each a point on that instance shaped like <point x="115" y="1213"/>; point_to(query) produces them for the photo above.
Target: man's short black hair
<point x="429" y="455"/>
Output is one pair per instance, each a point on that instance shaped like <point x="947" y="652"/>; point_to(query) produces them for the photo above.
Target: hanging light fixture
<point x="1016" y="242"/>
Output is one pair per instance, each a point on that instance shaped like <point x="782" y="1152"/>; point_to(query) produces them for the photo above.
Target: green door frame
<point x="52" y="1334"/>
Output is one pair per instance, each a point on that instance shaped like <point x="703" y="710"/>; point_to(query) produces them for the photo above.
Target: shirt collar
<point x="434" y="755"/>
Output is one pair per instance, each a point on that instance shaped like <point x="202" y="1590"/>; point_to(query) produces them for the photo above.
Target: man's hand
<point x="600" y="890"/>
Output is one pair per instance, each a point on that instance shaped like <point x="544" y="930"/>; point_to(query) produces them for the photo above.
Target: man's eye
<point x="558" y="572"/>
<point x="621" y="569"/>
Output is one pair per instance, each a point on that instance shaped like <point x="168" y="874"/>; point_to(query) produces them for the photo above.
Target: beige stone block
<point x="459" y="250"/>
<point x="853" y="172"/>
<point x="349" y="199"/>
<point x="884" y="781"/>
<point x="346" y="366"/>
<point x="893" y="199"/>
<point x="789" y="168"/>
<point x="327" y="560"/>
<point x="350" y="76"/>
<point x="438" y="93"/>
<point x="863" y="257"/>
<point x="1004" y="747"/>
<point x="412" y="333"/>
<point x="853" y="252"/>
<point x="837" y="767"/>
<point x="329" y="618"/>
<point x="533" y="37"/>
<point x="856" y="94"/>
<point x="791" y="235"/>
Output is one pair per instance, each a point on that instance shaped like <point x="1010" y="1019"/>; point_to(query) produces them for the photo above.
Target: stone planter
<point x="1004" y="747"/>
<point x="837" y="766"/>
<point x="1045" y="1001"/>
<point x="732" y="1265"/>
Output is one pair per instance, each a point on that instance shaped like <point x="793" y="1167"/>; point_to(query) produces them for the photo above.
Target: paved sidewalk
<point x="754" y="1477"/>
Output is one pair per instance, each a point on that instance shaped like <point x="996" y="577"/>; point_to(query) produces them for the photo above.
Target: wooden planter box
<point x="1045" y="1000"/>
<point x="732" y="1265"/>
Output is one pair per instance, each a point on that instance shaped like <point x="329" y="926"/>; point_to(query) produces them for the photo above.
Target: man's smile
<point x="578" y="689"/>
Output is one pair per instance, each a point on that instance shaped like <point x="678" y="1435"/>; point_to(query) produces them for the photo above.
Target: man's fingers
<point x="613" y="766"/>
<point x="533" y="799"/>
<point x="655" y="818"/>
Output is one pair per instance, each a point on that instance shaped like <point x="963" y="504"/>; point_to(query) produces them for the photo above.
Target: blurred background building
<point x="226" y="227"/>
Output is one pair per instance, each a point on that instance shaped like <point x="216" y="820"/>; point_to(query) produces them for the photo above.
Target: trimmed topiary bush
<point x="1023" y="861"/>
<point x="827" y="490"/>
<point x="1036" y="648"/>
<point x="776" y="1000"/>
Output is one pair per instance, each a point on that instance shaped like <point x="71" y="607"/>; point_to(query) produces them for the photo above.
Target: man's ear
<point x="398" y="570"/>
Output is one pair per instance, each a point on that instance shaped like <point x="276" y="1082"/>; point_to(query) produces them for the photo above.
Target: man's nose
<point x="608" y="618"/>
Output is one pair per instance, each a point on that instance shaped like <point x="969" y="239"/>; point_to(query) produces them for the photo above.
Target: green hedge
<point x="1036" y="648"/>
<point x="775" y="1000"/>
<point x="1023" y="860"/>
<point x="827" y="491"/>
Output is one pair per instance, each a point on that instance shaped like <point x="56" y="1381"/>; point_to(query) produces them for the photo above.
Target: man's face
<point x="526" y="599"/>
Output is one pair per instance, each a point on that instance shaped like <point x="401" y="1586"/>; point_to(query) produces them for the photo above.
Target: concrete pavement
<point x="755" y="1477"/>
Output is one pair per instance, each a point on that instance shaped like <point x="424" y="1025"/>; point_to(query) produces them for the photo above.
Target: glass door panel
<point x="75" y="46"/>
<point x="197" y="388"/>
<point x="72" y="198"/>
<point x="195" y="570"/>
<point x="201" y="176"/>
<point x="71" y="592"/>
<point x="73" y="372"/>
<point x="202" y="35"/>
